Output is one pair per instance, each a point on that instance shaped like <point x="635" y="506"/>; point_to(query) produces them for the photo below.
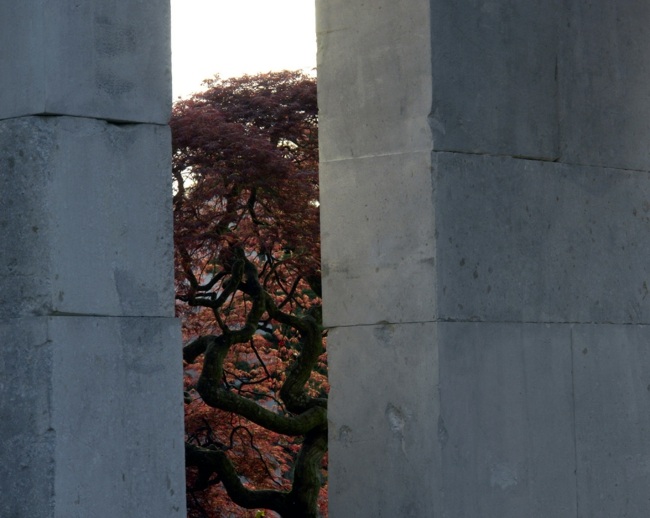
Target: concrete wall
<point x="90" y="367"/>
<point x="486" y="234"/>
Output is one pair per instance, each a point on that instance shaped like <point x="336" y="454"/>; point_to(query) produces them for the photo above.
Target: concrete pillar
<point x="486" y="234"/>
<point x="90" y="367"/>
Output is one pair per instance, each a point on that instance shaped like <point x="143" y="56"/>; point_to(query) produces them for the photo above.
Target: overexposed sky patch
<point x="236" y="37"/>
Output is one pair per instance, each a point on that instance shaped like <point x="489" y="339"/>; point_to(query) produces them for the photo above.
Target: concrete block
<point x="506" y="420"/>
<point x="385" y="66"/>
<point x="467" y="419"/>
<point x="117" y="414"/>
<point x="383" y="455"/>
<point x="612" y="406"/>
<point x="603" y="75"/>
<point x="494" y="76"/>
<point x="526" y="241"/>
<point x="383" y="268"/>
<point x="94" y="423"/>
<point x="98" y="58"/>
<point x="86" y="206"/>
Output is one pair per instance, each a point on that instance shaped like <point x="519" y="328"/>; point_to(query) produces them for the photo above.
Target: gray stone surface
<point x="489" y="419"/>
<point x="384" y="451"/>
<point x="90" y="366"/>
<point x="509" y="240"/>
<point x="511" y="348"/>
<point x="377" y="73"/>
<point x="86" y="207"/>
<point x="603" y="76"/>
<point x="612" y="413"/>
<point x="27" y="442"/>
<point x="389" y="247"/>
<point x="532" y="241"/>
<point x="79" y="435"/>
<point x="506" y="420"/>
<point x="530" y="79"/>
<point x="495" y="76"/>
<point x="97" y="58"/>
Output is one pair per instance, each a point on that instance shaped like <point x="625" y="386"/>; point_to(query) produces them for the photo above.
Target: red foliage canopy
<point x="245" y="170"/>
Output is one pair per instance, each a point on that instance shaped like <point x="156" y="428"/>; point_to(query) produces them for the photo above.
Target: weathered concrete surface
<point x="507" y="240"/>
<point x="79" y="436"/>
<point x="81" y="199"/>
<point x="485" y="204"/>
<point x="603" y="76"/>
<point x="526" y="78"/>
<point x="28" y="439"/>
<point x="90" y="367"/>
<point x="372" y="278"/>
<point x="612" y="413"/>
<point x="544" y="420"/>
<point x="507" y="422"/>
<point x="489" y="419"/>
<point x="377" y="74"/>
<point x="97" y="58"/>
<point x="533" y="241"/>
<point x="494" y="76"/>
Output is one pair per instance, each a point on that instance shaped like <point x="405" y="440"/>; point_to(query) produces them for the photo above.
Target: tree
<point x="247" y="249"/>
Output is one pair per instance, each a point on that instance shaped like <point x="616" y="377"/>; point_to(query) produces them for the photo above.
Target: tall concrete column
<point x="90" y="367"/>
<point x="486" y="256"/>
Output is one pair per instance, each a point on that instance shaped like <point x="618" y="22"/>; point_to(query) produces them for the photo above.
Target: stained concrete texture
<point x="385" y="66"/>
<point x="86" y="207"/>
<point x="28" y="438"/>
<point x="90" y="366"/>
<point x="612" y="413"/>
<point x="79" y="434"/>
<point x="97" y="58"/>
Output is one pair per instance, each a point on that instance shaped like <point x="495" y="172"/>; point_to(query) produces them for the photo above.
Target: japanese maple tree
<point x="245" y="172"/>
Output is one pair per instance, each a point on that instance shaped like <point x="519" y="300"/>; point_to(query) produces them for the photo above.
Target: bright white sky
<point x="236" y="37"/>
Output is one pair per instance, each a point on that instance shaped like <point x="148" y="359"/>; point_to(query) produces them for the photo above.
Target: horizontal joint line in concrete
<point x="377" y="155"/>
<point x="470" y="321"/>
<point x="498" y="155"/>
<point x="93" y="315"/>
<point x="555" y="160"/>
